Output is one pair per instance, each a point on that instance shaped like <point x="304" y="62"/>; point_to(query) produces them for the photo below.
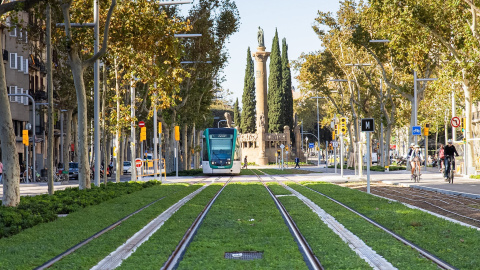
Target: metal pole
<point x="415" y="100"/>
<point x="96" y="102"/>
<point x="335" y="158"/>
<point x="368" y="162"/>
<point x="382" y="150"/>
<point x="133" y="176"/>
<point x="155" y="135"/>
<point x="318" y="135"/>
<point x="282" y="159"/>
<point x="26" y="158"/>
<point x="160" y="153"/>
<point x="426" y="151"/>
<point x="341" y="154"/>
<point x="61" y="138"/>
<point x="176" y="158"/>
<point x="454" y="130"/>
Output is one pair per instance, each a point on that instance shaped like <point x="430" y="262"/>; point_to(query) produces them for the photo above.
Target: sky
<point x="293" y="20"/>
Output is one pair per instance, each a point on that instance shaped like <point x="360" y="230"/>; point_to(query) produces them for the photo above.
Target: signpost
<point x="368" y="126"/>
<point x="310" y="145"/>
<point x="141" y="124"/>
<point x="138" y="165"/>
<point x="282" y="146"/>
<point x="455" y="122"/>
<point x="416" y="130"/>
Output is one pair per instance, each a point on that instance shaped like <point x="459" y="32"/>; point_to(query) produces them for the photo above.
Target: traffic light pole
<point x="341" y="154"/>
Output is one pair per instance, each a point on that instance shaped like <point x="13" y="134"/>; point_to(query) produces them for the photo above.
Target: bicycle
<point x="450" y="172"/>
<point x="416" y="173"/>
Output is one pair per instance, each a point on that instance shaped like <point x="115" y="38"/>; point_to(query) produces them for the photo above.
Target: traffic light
<point x="286" y="148"/>
<point x="343" y="130"/>
<point x="160" y="127"/>
<point x="143" y="134"/>
<point x="333" y="135"/>
<point x="177" y="133"/>
<point x="25" y="137"/>
<point x="343" y="121"/>
<point x="425" y="129"/>
<point x="463" y="123"/>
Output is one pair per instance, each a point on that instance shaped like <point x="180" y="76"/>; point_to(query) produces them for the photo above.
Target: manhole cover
<point x="244" y="255"/>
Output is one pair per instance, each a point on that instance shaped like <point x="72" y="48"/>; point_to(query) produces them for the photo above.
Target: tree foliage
<point x="248" y="98"/>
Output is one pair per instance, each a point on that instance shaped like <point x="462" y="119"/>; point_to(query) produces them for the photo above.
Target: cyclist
<point x="449" y="150"/>
<point x="415" y="155"/>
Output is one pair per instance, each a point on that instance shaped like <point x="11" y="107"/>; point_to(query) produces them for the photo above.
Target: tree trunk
<point x="67" y="145"/>
<point x="82" y="150"/>
<point x="51" y="135"/>
<point x="119" y="169"/>
<point x="11" y="170"/>
<point x="75" y="131"/>
<point x="468" y="128"/>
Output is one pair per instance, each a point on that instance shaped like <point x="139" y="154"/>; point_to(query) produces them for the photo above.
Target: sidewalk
<point x="430" y="180"/>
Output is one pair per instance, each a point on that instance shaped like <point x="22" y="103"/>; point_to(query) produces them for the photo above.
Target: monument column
<point x="261" y="57"/>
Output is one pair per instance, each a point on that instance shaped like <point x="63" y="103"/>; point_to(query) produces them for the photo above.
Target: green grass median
<point x="244" y="218"/>
<point x="37" y="245"/>
<point x="330" y="249"/>
<point x="456" y="244"/>
<point x="155" y="252"/>
<point x="399" y="255"/>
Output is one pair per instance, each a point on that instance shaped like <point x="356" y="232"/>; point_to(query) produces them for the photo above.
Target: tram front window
<point x="221" y="149"/>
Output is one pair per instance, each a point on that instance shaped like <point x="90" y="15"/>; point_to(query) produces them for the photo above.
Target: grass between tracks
<point x="457" y="245"/>
<point x="399" y="255"/>
<point x="37" y="245"/>
<point x="244" y="218"/>
<point x="273" y="171"/>
<point x="329" y="248"/>
<point x="155" y="252"/>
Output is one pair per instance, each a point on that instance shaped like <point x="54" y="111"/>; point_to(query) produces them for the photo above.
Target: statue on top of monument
<point x="261" y="41"/>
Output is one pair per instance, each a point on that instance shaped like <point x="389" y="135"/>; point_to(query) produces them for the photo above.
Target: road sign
<point x="455" y="122"/>
<point x="282" y="146"/>
<point x="311" y="145"/>
<point x="335" y="144"/>
<point x="416" y="130"/>
<point x="368" y="125"/>
<point x="141" y="124"/>
<point x="138" y="162"/>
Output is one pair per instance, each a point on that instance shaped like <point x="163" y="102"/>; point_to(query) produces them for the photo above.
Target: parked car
<point x="127" y="167"/>
<point x="73" y="170"/>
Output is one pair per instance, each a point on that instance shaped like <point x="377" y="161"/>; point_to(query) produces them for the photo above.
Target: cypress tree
<point x="248" y="120"/>
<point x="287" y="86"/>
<point x="275" y="91"/>
<point x="236" y="113"/>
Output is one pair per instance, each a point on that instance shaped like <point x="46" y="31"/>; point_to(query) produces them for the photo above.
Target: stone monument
<point x="261" y="57"/>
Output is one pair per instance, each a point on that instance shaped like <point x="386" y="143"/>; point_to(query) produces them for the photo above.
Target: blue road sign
<point x="416" y="130"/>
<point x="311" y="145"/>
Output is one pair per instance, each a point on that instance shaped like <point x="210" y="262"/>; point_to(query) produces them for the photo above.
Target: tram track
<point x="310" y="259"/>
<point x="176" y="256"/>
<point x="450" y="206"/>
<point x="440" y="263"/>
<point x="98" y="234"/>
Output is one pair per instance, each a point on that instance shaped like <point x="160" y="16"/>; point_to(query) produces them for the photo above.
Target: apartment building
<point x="25" y="73"/>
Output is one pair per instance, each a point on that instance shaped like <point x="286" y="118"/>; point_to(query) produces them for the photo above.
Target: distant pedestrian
<point x="245" y="162"/>
<point x="1" y="171"/>
<point x="297" y="160"/>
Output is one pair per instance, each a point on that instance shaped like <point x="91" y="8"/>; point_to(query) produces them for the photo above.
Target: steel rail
<point x="69" y="251"/>
<point x="426" y="254"/>
<point x="177" y="254"/>
<point x="307" y="252"/>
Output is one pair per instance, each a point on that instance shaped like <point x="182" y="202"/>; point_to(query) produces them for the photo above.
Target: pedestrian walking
<point x="245" y="162"/>
<point x="1" y="172"/>
<point x="297" y="160"/>
<point x="441" y="156"/>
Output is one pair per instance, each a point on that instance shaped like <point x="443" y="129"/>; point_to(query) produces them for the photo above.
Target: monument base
<point x="262" y="161"/>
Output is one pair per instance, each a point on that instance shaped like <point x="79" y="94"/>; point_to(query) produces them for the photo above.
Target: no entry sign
<point x="141" y="124"/>
<point x="455" y="122"/>
<point x="138" y="163"/>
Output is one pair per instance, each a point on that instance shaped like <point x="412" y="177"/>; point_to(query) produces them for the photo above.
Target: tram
<point x="221" y="151"/>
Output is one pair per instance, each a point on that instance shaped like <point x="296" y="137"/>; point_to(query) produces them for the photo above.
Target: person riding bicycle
<point x="416" y="154"/>
<point x="449" y="151"/>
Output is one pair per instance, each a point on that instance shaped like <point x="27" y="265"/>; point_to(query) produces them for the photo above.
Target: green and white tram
<point x="221" y="151"/>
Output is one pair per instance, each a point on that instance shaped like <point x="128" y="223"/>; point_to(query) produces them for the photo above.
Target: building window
<point x="13" y="60"/>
